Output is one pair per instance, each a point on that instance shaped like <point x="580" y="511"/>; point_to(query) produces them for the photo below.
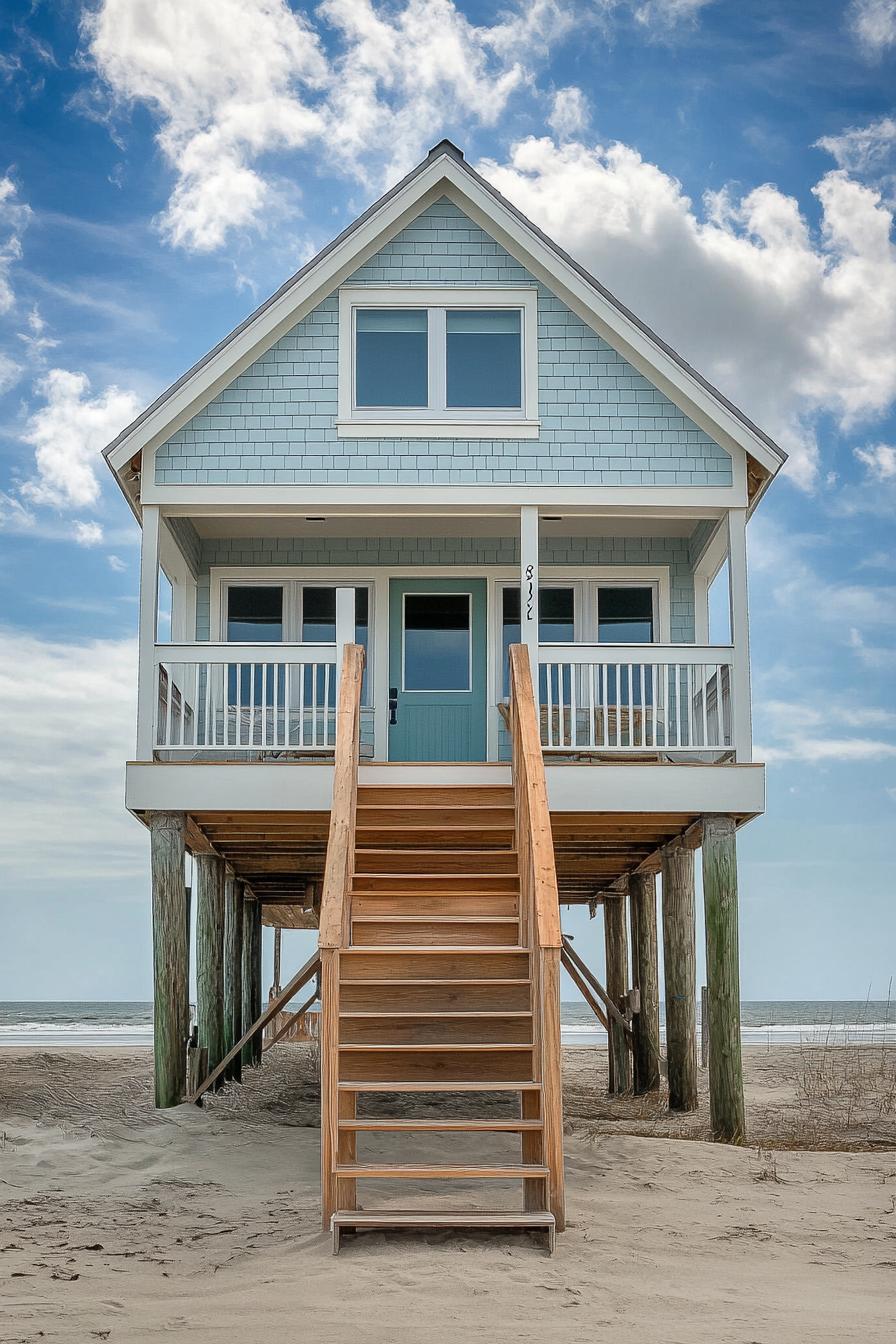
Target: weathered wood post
<point x="258" y="1038"/>
<point x="171" y="956"/>
<point x="251" y="1051"/>
<point x="617" y="987"/>
<point x="726" y="1084"/>
<point x="275" y="979"/>
<point x="645" y="978"/>
<point x="233" y="970"/>
<point x="680" y="961"/>
<point x="210" y="956"/>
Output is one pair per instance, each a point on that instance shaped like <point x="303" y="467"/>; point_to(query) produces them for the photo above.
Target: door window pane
<point x="391" y="357"/>
<point x="625" y="615"/>
<point x="437" y="639"/>
<point x="484" y="358"/>
<point x="254" y="615"/>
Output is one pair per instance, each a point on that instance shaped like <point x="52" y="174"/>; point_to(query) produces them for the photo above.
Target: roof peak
<point x="445" y="147"/>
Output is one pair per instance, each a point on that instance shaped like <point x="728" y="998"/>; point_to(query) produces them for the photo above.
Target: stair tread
<point x="441" y="1086"/>
<point x="472" y="1126"/>
<point x="435" y="919"/>
<point x="392" y="981"/>
<point x="441" y="1217"/>
<point x="439" y="1170"/>
<point x="439" y="950"/>
<point x="430" y="1046"/>
<point x="449" y="1012"/>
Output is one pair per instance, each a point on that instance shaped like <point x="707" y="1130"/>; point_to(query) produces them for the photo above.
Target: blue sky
<point x="728" y="170"/>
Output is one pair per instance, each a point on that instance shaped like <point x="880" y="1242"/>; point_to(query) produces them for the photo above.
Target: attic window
<point x="446" y="363"/>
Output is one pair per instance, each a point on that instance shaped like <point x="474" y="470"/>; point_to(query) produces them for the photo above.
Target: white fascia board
<point x="682" y="388"/>
<point x="702" y="500"/>
<point x="700" y="789"/>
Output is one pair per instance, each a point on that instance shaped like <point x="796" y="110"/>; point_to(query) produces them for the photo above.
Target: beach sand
<point x="122" y="1223"/>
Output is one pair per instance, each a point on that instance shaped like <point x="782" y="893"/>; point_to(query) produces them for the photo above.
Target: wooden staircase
<point x="437" y="982"/>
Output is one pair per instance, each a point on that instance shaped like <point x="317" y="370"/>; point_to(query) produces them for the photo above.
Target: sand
<point x="121" y="1223"/>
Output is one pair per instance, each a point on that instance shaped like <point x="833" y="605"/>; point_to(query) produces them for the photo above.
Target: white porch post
<point x="345" y="623"/>
<point x="147" y="687"/>
<point x="529" y="584"/>
<point x="742" y="719"/>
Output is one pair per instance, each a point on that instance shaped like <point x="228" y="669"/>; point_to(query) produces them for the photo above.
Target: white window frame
<point x="446" y="690"/>
<point x="438" y="420"/>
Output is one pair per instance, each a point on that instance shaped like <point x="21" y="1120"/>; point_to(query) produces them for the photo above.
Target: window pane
<point x="437" y="642"/>
<point x="484" y="358"/>
<point x="625" y="615"/>
<point x="319" y="625"/>
<point x="254" y="615"/>
<point x="556" y="620"/>
<point x="391" y="357"/>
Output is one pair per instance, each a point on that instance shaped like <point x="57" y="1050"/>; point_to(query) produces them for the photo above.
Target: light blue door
<point x="438" y="664"/>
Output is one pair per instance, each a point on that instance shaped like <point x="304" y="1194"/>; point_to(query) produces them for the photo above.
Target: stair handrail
<point x="339" y="864"/>
<point x="534" y="839"/>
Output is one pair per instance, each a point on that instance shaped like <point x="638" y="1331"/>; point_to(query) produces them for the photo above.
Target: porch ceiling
<point x="442" y="525"/>
<point x="279" y="853"/>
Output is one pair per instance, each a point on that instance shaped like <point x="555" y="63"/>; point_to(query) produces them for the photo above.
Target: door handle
<point x="393" y="704"/>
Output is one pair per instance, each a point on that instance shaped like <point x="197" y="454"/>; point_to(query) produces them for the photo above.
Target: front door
<point x="438" y="665"/>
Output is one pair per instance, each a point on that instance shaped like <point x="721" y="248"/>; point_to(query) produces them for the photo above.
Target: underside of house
<point x="440" y="525"/>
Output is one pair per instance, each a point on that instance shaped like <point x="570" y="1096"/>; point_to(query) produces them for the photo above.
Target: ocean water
<point x="768" y="1022"/>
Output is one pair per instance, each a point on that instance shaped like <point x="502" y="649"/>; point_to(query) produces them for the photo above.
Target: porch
<point x="624" y="667"/>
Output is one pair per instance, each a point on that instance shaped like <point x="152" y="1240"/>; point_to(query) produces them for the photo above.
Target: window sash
<point x="437" y="406"/>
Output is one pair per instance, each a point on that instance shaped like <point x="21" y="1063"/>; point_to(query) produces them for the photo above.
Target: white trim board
<point x="702" y="500"/>
<point x="443" y="174"/>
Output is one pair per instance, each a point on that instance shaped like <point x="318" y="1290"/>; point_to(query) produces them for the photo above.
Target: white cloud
<point x="787" y="322"/>
<point x="226" y="79"/>
<point x="88" y="534"/>
<point x="68" y="716"/>
<point x="116" y="563"/>
<point x="14" y="216"/>
<point x="800" y="731"/>
<point x="233" y="81"/>
<point x="10" y="373"/>
<point x="68" y="433"/>
<point x="873" y="23"/>
<point x="14" y="517"/>
<point x="866" y="150"/>
<point x="668" y="13"/>
<point x="880" y="459"/>
<point x="569" y="113"/>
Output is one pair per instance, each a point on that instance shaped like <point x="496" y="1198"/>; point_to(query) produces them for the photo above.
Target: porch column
<point x="617" y="987"/>
<point x="646" y="1024"/>
<point x="529" y="585"/>
<point x="210" y="956"/>
<point x="233" y="970"/>
<point x="679" y="957"/>
<point x="170" y="955"/>
<point x="741" y="712"/>
<point x="345" y="623"/>
<point x="147" y="691"/>
<point x="726" y="1085"/>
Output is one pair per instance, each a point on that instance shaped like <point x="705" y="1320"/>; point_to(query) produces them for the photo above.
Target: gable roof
<point x="445" y="172"/>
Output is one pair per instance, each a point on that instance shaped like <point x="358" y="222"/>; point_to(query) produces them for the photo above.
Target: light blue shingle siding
<point x="602" y="423"/>
<point x="399" y="552"/>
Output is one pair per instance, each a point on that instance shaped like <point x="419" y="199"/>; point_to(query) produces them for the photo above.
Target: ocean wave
<point x="76" y="1029"/>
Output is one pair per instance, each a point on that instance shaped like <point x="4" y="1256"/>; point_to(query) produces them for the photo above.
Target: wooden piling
<point x="726" y="1086"/>
<point x="171" y="956"/>
<point x="233" y="971"/>
<point x="680" y="961"/>
<point x="251" y="976"/>
<point x="645" y="978"/>
<point x="257" y="927"/>
<point x="210" y="956"/>
<point x="617" y="987"/>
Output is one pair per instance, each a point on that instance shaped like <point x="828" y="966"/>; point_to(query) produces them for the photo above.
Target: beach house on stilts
<point x="440" y="520"/>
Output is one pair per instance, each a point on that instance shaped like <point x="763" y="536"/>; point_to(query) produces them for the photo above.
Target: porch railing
<point x="245" y="697"/>
<point x="631" y="698"/>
